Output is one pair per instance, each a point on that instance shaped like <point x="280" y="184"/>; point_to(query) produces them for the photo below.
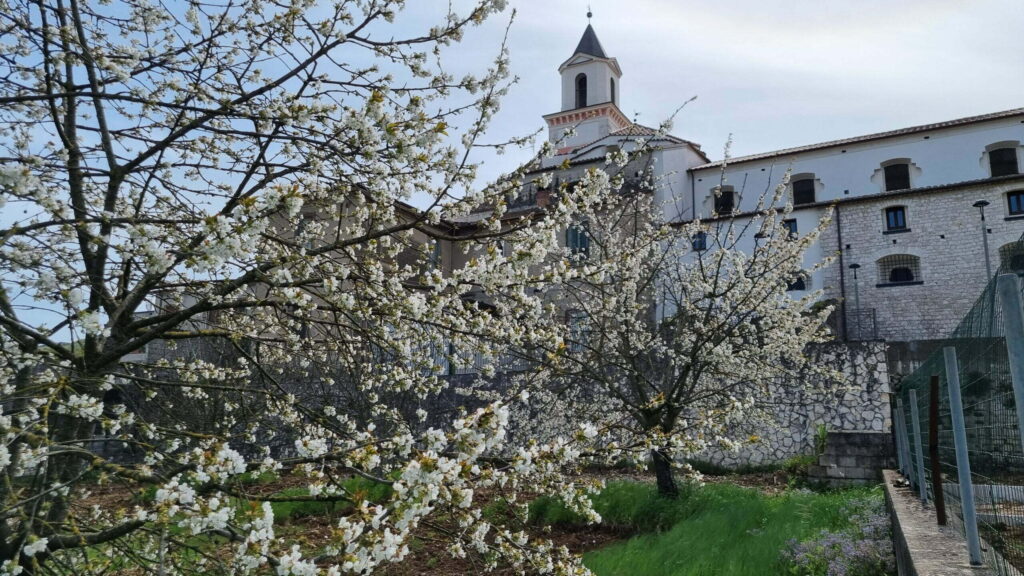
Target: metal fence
<point x="861" y="325"/>
<point x="958" y="427"/>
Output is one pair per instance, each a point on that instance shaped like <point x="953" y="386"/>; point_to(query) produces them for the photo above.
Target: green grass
<point x="623" y="505"/>
<point x="725" y="530"/>
<point x="795" y="465"/>
<point x="360" y="489"/>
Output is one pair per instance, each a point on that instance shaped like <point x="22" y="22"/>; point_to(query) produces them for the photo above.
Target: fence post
<point x="898" y="436"/>
<point x="908" y="464"/>
<point x="919" y="453"/>
<point x="905" y="437"/>
<point x="1008" y="288"/>
<point x="963" y="462"/>
<point x="933" y="450"/>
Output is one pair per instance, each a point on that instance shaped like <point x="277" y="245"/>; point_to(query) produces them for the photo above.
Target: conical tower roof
<point x="589" y="44"/>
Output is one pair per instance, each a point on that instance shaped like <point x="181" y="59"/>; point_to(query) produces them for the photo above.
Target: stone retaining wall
<point x="860" y="403"/>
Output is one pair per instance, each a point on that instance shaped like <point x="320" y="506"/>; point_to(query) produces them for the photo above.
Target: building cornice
<point x="874" y="197"/>
<point x="577" y="115"/>
<point x="866" y="138"/>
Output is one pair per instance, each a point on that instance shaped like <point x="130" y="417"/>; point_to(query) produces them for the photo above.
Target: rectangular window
<point x="1003" y="161"/>
<point x="435" y="256"/>
<point x="700" y="241"/>
<point x="896" y="218"/>
<point x="1015" y="200"/>
<point x="897" y="177"/>
<point x="790" y="226"/>
<point x="803" y="192"/>
<point x="578" y="240"/>
<point x="579" y="332"/>
<point x="725" y="202"/>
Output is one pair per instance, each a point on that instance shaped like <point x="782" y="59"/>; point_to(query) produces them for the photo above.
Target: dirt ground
<point x="428" y="550"/>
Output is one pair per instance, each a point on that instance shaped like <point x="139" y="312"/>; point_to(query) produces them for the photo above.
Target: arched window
<point x="897" y="176"/>
<point x="1003" y="161"/>
<point x="1011" y="257"/>
<point x="611" y="88"/>
<point x="799" y="283"/>
<point x="725" y="200"/>
<point x="803" y="191"/>
<point x="581" y="90"/>
<point x="899" y="269"/>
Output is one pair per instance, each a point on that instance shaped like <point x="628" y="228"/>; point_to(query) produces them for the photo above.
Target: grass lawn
<point x="727" y="530"/>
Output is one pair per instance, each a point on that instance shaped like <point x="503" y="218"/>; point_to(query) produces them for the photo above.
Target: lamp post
<point x="856" y="295"/>
<point x="980" y="205"/>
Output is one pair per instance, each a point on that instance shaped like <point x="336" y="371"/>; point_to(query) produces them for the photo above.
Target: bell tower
<point x="590" y="94"/>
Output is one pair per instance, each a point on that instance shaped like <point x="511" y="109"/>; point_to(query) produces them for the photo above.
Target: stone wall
<point x="943" y="232"/>
<point x="859" y="404"/>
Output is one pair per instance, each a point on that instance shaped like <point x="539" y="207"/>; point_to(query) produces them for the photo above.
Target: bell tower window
<point x="581" y="90"/>
<point x="611" y="87"/>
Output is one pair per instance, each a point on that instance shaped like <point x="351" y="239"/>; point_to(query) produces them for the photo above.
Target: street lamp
<point x="980" y="205"/>
<point x="856" y="295"/>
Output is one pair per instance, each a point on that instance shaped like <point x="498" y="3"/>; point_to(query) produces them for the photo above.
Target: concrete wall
<point x="923" y="548"/>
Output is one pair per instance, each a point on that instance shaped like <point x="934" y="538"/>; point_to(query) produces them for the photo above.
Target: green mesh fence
<point x="991" y="425"/>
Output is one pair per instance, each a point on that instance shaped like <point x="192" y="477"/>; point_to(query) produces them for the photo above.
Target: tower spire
<point x="589" y="44"/>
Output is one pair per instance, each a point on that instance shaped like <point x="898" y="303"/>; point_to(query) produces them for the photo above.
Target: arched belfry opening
<point x="611" y="89"/>
<point x="581" y="90"/>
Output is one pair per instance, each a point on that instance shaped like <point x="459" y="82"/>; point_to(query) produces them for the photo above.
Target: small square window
<point x="896" y="218"/>
<point x="790" y="226"/>
<point x="1003" y="161"/>
<point x="799" y="283"/>
<point x="803" y="192"/>
<point x="897" y="177"/>
<point x="1015" y="202"/>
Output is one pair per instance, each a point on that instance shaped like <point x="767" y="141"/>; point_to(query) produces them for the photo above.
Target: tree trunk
<point x="663" y="471"/>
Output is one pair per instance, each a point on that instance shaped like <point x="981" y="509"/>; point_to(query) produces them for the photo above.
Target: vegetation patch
<point x="723" y="530"/>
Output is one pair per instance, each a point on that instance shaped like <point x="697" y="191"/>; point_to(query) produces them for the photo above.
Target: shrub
<point x="863" y="549"/>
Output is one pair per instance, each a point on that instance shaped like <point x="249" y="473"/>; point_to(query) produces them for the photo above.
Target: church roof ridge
<point x="576" y="153"/>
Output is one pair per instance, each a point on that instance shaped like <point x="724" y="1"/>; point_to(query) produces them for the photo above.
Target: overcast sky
<point x="775" y="74"/>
